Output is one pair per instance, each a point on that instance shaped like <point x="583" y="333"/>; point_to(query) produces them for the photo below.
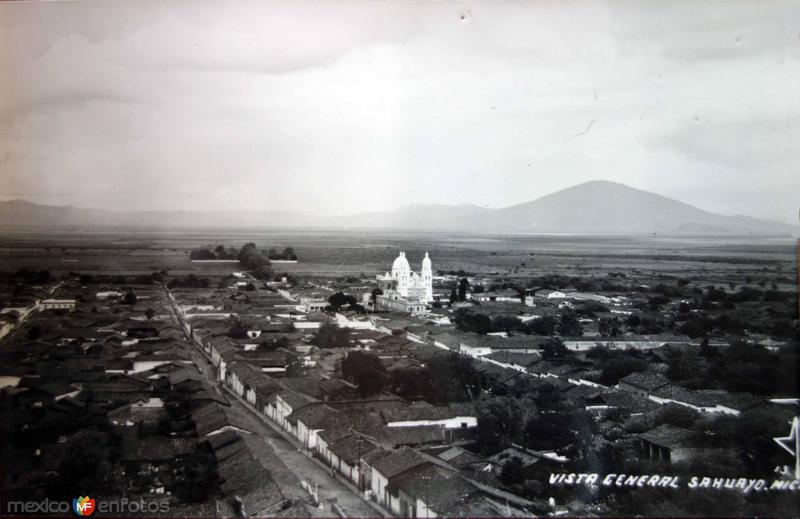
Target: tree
<point x="706" y="350"/>
<point x="34" y="332"/>
<point x="86" y="462"/>
<point x="289" y="254"/>
<point x="553" y="350"/>
<point x="614" y="368"/>
<point x="513" y="472"/>
<point x="507" y="323"/>
<point x="609" y="328"/>
<point x="682" y="365"/>
<point x="202" y="254"/>
<point x="550" y="431"/>
<point x="569" y="326"/>
<point x="632" y="321"/>
<point x="149" y="313"/>
<point x="469" y="321"/>
<point x="500" y="422"/>
<point x="196" y="477"/>
<point x="237" y="330"/>
<point x="545" y="325"/>
<point x="365" y="370"/>
<point x="129" y="298"/>
<point x="374" y="297"/>
<point x="340" y="299"/>
<point x="251" y="258"/>
<point x="263" y="273"/>
<point x="463" y="285"/>
<point x="453" y="295"/>
<point x="330" y="335"/>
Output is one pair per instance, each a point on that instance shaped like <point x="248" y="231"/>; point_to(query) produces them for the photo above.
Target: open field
<point x="714" y="259"/>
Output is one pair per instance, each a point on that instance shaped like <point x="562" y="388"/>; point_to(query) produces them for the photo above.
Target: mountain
<point x="22" y="212"/>
<point x="608" y="207"/>
<point x="593" y="207"/>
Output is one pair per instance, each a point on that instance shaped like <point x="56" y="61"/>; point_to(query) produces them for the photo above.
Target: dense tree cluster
<point x="129" y="298"/>
<point x="468" y="320"/>
<point x="534" y="417"/>
<point x="461" y="273"/>
<point x="26" y="276"/>
<point x="340" y="299"/>
<point x="190" y="281"/>
<point x="217" y="253"/>
<point x="365" y="370"/>
<point x="330" y="335"/>
<point x="254" y="260"/>
<point x="287" y="254"/>
<point x="444" y="379"/>
<point x="237" y="329"/>
<point x="104" y="279"/>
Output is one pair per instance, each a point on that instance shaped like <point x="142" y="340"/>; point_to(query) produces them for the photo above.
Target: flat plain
<point x="325" y="253"/>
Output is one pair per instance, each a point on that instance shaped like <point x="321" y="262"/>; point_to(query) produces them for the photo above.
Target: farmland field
<point x="323" y="253"/>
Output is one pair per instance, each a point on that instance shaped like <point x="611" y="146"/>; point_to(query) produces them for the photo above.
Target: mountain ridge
<point x="593" y="207"/>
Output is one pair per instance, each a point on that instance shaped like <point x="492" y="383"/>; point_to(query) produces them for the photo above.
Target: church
<point x="406" y="290"/>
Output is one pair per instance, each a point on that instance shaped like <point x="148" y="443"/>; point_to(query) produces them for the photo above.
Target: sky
<point x="340" y="107"/>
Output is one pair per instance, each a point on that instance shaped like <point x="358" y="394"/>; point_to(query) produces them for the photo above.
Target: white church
<point x="404" y="289"/>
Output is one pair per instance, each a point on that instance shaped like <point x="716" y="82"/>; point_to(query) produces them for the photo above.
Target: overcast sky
<point x="339" y="107"/>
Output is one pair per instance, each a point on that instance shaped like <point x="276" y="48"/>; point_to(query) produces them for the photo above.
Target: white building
<point x="407" y="283"/>
<point x="403" y="289"/>
<point x="312" y="304"/>
<point x="57" y="304"/>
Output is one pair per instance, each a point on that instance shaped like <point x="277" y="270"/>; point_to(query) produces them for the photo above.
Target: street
<point x="288" y="465"/>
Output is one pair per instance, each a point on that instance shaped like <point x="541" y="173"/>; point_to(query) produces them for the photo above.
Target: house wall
<point x="378" y="486"/>
<point x="423" y="510"/>
<point x="306" y="325"/>
<point x="322" y="450"/>
<point x="304" y="435"/>
<point x="57" y="305"/>
<point x="350" y="472"/>
<point x="393" y="503"/>
<point x="515" y="367"/>
<point x="441" y="345"/>
<point x="448" y="423"/>
<point x="223" y="370"/>
<point x="474" y="351"/>
<point x="146" y="365"/>
<point x="407" y="504"/>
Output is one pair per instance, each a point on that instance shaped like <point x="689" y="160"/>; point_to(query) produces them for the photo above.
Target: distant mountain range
<point x="592" y="207"/>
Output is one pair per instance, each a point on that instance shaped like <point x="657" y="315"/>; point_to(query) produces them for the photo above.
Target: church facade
<point x="406" y="290"/>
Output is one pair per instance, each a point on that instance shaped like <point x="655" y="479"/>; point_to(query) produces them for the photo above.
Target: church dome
<point x="401" y="264"/>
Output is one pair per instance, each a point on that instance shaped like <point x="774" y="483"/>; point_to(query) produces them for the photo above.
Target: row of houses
<point x="375" y="444"/>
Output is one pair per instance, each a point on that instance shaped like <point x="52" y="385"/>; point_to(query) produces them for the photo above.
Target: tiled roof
<point x="214" y="416"/>
<point x="413" y="413"/>
<point x="398" y="461"/>
<point x="350" y="448"/>
<point x="647" y="381"/>
<point x="315" y="416"/>
<point x="669" y="436"/>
